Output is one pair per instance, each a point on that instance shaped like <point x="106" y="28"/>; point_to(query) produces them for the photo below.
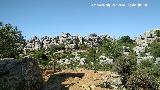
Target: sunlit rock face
<point x="20" y="74"/>
<point x="143" y="42"/>
<point x="70" y="41"/>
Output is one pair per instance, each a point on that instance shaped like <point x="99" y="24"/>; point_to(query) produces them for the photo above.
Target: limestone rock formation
<point x="20" y="74"/>
<point x="143" y="42"/>
<point x="70" y="41"/>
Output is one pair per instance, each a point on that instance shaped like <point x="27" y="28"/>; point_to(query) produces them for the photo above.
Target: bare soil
<point x="80" y="79"/>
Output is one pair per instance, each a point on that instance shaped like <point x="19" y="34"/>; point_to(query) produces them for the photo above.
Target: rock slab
<point x="20" y="74"/>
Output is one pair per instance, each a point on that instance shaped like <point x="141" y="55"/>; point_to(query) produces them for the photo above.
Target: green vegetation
<point x="91" y="58"/>
<point x="155" y="49"/>
<point x="138" y="77"/>
<point x="40" y="55"/>
<point x="125" y="65"/>
<point x="11" y="41"/>
<point x="142" y="80"/>
<point x="112" y="49"/>
<point x="145" y="77"/>
<point x="126" y="40"/>
<point x="157" y="32"/>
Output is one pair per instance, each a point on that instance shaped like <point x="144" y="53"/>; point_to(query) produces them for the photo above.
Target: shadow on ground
<point x="55" y="81"/>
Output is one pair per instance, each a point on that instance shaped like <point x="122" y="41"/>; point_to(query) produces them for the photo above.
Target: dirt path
<point x="82" y="79"/>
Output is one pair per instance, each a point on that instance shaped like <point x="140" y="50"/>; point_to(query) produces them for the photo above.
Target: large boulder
<point x="20" y="74"/>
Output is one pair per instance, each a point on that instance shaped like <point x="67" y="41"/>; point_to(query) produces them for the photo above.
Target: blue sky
<point x="51" y="17"/>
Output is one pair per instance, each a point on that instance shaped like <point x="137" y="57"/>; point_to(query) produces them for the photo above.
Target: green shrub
<point x="125" y="65"/>
<point x="142" y="80"/>
<point x="155" y="49"/>
<point x="40" y="56"/>
<point x="157" y="32"/>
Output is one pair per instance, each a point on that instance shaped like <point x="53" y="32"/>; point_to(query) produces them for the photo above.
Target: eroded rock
<point x="20" y="74"/>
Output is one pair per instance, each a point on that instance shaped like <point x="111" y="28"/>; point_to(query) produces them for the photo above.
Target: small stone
<point x="92" y="86"/>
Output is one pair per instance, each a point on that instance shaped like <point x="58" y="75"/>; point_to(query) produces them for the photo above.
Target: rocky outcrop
<point x="143" y="42"/>
<point x="66" y="39"/>
<point x="20" y="74"/>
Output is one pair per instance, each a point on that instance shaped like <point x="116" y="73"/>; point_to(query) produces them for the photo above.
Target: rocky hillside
<point x="58" y="62"/>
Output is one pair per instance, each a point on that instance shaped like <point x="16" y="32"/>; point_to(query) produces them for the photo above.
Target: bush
<point x="146" y="64"/>
<point x="125" y="65"/>
<point x="112" y="49"/>
<point x="155" y="49"/>
<point x="145" y="77"/>
<point x="40" y="56"/>
<point x="142" y="80"/>
<point x="157" y="32"/>
<point x="150" y="67"/>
